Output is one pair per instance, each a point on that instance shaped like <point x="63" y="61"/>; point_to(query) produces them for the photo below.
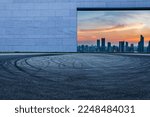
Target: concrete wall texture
<point x="47" y="25"/>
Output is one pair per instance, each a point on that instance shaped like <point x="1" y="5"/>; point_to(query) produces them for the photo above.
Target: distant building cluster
<point x="123" y="47"/>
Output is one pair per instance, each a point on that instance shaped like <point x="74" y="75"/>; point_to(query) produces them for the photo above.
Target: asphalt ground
<point x="75" y="76"/>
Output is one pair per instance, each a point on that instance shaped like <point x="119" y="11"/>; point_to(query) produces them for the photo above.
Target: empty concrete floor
<point x="75" y="76"/>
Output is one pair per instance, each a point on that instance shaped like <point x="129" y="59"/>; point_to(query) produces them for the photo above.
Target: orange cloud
<point x="121" y="27"/>
<point x="131" y="35"/>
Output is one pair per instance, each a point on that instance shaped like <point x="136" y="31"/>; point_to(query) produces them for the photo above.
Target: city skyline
<point x="102" y="45"/>
<point x="115" y="26"/>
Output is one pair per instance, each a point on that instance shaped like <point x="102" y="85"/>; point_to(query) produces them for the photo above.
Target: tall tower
<point x="121" y="46"/>
<point x="141" y="44"/>
<point x="132" y="48"/>
<point x="98" y="46"/>
<point x="148" y="48"/>
<point x="103" y="44"/>
<point x="127" y="47"/>
<point x="98" y="43"/>
<point x="109" y="48"/>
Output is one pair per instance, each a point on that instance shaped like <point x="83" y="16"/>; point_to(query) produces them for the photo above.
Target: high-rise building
<point x="92" y="48"/>
<point x="127" y="47"/>
<point x="121" y="46"/>
<point x="131" y="48"/>
<point x="82" y="48"/>
<point x="109" y="48"/>
<point x="115" y="48"/>
<point x="86" y="48"/>
<point x="148" y="48"/>
<point x="98" y="43"/>
<point x="103" y="45"/>
<point x="141" y="44"/>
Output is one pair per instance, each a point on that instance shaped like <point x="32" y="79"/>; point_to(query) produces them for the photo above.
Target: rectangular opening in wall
<point x="114" y="30"/>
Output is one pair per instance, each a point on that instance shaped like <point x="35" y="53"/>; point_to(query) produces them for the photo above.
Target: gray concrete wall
<point x="47" y="25"/>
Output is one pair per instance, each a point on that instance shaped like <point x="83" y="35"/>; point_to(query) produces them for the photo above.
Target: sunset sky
<point x="115" y="26"/>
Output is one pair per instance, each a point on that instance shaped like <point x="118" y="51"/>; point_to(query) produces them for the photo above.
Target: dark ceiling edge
<point x="113" y="9"/>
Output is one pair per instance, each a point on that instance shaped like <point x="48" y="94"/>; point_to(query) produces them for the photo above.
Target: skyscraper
<point x="127" y="47"/>
<point x="141" y="44"/>
<point x="148" y="48"/>
<point x="82" y="48"/>
<point x="121" y="46"/>
<point x="109" y="48"/>
<point x="115" y="48"/>
<point x="103" y="45"/>
<point x="98" y="43"/>
<point x="132" y="48"/>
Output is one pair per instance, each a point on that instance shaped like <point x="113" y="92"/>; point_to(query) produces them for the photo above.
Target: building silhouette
<point x="115" y="49"/>
<point x="131" y="49"/>
<point x="98" y="45"/>
<point x="103" y="45"/>
<point x="109" y="48"/>
<point x="123" y="47"/>
<point x="127" y="47"/>
<point x="141" y="44"/>
<point x="148" y="47"/>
